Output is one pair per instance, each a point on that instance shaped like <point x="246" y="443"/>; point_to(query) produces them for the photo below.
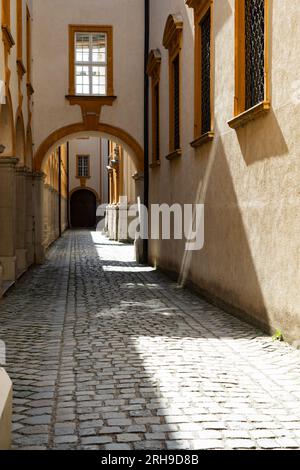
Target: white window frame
<point x="90" y="64"/>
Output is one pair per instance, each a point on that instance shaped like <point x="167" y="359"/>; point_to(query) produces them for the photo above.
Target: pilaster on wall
<point x="21" y="252"/>
<point x="8" y="217"/>
<point x="38" y="197"/>
<point x="29" y="219"/>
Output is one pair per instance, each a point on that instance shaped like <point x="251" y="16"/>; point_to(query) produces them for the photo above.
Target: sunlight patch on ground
<point x="128" y="269"/>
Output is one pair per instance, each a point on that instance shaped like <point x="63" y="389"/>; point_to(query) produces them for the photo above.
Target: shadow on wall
<point x="264" y="145"/>
<point x="225" y="269"/>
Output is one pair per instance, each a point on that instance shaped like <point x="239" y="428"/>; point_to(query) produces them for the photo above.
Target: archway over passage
<point x="72" y="131"/>
<point x="7" y="140"/>
<point x="83" y="206"/>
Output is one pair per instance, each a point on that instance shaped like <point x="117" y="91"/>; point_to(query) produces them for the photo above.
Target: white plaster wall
<point x="248" y="179"/>
<point x="51" y="62"/>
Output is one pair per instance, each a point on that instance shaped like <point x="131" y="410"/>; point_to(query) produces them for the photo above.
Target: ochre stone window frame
<point x="5" y="24"/>
<point x="172" y="41"/>
<point x="20" y="64"/>
<point x="108" y="30"/>
<point x="30" y="89"/>
<point x="201" y="9"/>
<point x="153" y="70"/>
<point x="241" y="114"/>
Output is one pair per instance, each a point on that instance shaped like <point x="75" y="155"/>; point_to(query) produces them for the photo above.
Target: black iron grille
<point x="176" y="103"/>
<point x="205" y="73"/>
<point x="255" y="51"/>
<point x="156" y="128"/>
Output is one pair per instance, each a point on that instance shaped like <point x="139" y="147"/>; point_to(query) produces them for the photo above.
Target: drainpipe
<point x="68" y="185"/>
<point x="146" y="119"/>
<point x="59" y="191"/>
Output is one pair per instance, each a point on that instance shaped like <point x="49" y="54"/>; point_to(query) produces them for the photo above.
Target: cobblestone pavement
<point x="106" y="354"/>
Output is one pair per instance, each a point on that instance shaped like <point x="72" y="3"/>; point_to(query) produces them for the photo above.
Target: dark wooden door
<point x="83" y="209"/>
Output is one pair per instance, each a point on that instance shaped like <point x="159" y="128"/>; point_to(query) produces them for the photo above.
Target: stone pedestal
<point x="124" y="221"/>
<point x="21" y="252"/>
<point x="112" y="221"/>
<point x="139" y="243"/>
<point x="8" y="217"/>
<point x="5" y="410"/>
<point x="38" y="197"/>
<point x="29" y="219"/>
<point x="139" y="186"/>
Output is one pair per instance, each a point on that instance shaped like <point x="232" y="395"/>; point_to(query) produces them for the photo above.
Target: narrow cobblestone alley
<point x="107" y="354"/>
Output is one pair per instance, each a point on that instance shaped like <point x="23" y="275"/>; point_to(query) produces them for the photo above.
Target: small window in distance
<point x="153" y="70"/>
<point x="172" y="41"/>
<point x="83" y="166"/>
<point x="176" y="103"/>
<point x="204" y="71"/>
<point x="156" y="122"/>
<point x="205" y="26"/>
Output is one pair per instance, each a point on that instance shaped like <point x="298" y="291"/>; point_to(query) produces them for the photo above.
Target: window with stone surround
<point x="251" y="64"/>
<point x="173" y="42"/>
<point x="91" y="62"/>
<point x="203" y="101"/>
<point x="83" y="166"/>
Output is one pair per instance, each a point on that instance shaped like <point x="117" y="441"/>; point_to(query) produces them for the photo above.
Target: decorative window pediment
<point x="173" y="32"/>
<point x="154" y="63"/>
<point x="197" y="5"/>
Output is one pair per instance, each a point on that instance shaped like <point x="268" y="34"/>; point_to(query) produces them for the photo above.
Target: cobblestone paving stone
<point x="106" y="354"/>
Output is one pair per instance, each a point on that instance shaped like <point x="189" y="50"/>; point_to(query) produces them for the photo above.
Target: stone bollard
<point x="5" y="410"/>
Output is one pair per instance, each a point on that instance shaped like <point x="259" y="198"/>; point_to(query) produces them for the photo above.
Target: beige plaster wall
<point x="12" y="60"/>
<point x="51" y="64"/>
<point x="248" y="179"/>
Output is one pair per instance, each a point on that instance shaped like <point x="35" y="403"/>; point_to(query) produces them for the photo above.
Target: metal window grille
<point x="255" y="51"/>
<point x="205" y="26"/>
<point x="91" y="63"/>
<point x="83" y="166"/>
<point x="156" y="129"/>
<point x="176" y="103"/>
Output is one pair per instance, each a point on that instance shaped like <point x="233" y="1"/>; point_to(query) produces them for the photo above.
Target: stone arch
<point x="7" y="137"/>
<point x="88" y="189"/>
<point x="74" y="130"/>
<point x="20" y="139"/>
<point x="29" y="149"/>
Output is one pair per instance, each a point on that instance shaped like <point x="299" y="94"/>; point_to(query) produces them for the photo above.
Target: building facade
<point x="238" y="144"/>
<point x="220" y="121"/>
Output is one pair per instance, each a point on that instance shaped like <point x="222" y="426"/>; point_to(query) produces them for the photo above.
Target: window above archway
<point x="91" y="60"/>
<point x="91" y="70"/>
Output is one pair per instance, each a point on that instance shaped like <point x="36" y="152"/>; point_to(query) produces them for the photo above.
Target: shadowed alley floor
<point x="107" y="354"/>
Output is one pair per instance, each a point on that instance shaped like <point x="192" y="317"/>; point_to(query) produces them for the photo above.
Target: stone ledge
<point x="203" y="139"/>
<point x="253" y="113"/>
<point x="174" y="155"/>
<point x="155" y="164"/>
<point x="5" y="410"/>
